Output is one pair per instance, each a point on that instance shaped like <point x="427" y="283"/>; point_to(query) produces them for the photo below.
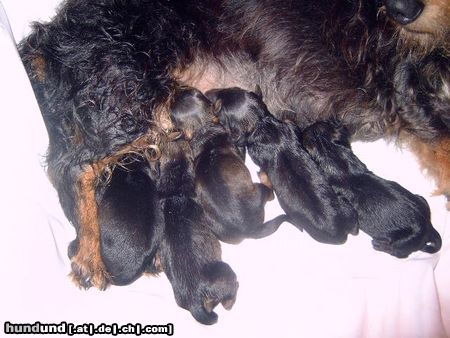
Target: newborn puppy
<point x="233" y="204"/>
<point x="397" y="220"/>
<point x="130" y="223"/>
<point x="190" y="253"/>
<point x="302" y="190"/>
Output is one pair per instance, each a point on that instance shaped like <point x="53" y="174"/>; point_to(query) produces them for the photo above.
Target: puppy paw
<point x="382" y="244"/>
<point x="264" y="179"/>
<point x="387" y="246"/>
<point x="434" y="242"/>
<point x="155" y="267"/>
<point x="219" y="287"/>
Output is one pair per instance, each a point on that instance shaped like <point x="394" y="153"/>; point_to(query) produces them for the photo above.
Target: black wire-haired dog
<point x="302" y="190"/>
<point x="104" y="70"/>
<point x="397" y="220"/>
<point x="233" y="204"/>
<point x="190" y="253"/>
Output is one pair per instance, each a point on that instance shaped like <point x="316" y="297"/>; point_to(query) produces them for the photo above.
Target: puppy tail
<point x="434" y="242"/>
<point x="269" y="227"/>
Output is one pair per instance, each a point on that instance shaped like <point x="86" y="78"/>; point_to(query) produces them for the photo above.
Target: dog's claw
<point x="86" y="275"/>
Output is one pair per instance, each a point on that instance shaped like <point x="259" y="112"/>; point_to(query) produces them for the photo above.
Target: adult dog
<point x="105" y="70"/>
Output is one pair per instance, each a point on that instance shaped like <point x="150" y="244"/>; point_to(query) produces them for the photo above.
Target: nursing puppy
<point x="190" y="253"/>
<point x="233" y="204"/>
<point x="397" y="220"/>
<point x="302" y="190"/>
<point x="130" y="223"/>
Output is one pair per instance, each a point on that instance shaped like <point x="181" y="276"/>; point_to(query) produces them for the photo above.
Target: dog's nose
<point x="404" y="11"/>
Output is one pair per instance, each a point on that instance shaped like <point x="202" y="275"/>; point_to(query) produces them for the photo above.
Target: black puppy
<point x="233" y="204"/>
<point x="190" y="253"/>
<point x="130" y="223"/>
<point x="398" y="220"/>
<point x="302" y="191"/>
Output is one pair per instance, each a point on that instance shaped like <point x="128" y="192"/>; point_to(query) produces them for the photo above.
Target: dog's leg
<point x="87" y="264"/>
<point x="265" y="187"/>
<point x="434" y="158"/>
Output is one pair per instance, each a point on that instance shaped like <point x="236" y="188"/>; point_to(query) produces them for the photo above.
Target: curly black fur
<point x="105" y="70"/>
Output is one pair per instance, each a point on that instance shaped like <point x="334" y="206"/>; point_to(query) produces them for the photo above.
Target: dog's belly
<point x="207" y="72"/>
<point x="226" y="71"/>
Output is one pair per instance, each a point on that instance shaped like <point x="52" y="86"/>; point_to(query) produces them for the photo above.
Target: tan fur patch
<point x="432" y="27"/>
<point x="87" y="264"/>
<point x="39" y="66"/>
<point x="264" y="179"/>
<point x="162" y="116"/>
<point x="205" y="73"/>
<point x="434" y="158"/>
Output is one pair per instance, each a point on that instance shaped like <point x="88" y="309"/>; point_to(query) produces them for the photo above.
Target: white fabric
<point x="290" y="285"/>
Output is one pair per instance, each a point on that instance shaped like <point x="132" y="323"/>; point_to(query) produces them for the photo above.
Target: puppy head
<point x="191" y="110"/>
<point x="238" y="111"/>
<point x="330" y="130"/>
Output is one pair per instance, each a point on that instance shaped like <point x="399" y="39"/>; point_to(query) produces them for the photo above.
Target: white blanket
<point x="290" y="285"/>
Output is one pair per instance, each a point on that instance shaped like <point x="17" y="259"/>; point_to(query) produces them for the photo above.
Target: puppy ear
<point x="216" y="107"/>
<point x="258" y="91"/>
<point x="341" y="136"/>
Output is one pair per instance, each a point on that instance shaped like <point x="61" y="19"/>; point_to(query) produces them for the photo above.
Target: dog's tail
<point x="434" y="242"/>
<point x="269" y="227"/>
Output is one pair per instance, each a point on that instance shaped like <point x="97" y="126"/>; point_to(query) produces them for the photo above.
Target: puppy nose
<point x="404" y="11"/>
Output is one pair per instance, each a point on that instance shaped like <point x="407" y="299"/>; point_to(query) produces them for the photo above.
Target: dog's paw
<point x="88" y="272"/>
<point x="382" y="244"/>
<point x="387" y="246"/>
<point x="434" y="242"/>
<point x="202" y="315"/>
<point x="220" y="286"/>
<point x="264" y="179"/>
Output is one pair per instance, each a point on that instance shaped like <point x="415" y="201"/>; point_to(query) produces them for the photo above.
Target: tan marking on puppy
<point x="264" y="179"/>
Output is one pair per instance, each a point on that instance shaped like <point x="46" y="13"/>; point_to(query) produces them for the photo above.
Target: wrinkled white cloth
<point x="290" y="285"/>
